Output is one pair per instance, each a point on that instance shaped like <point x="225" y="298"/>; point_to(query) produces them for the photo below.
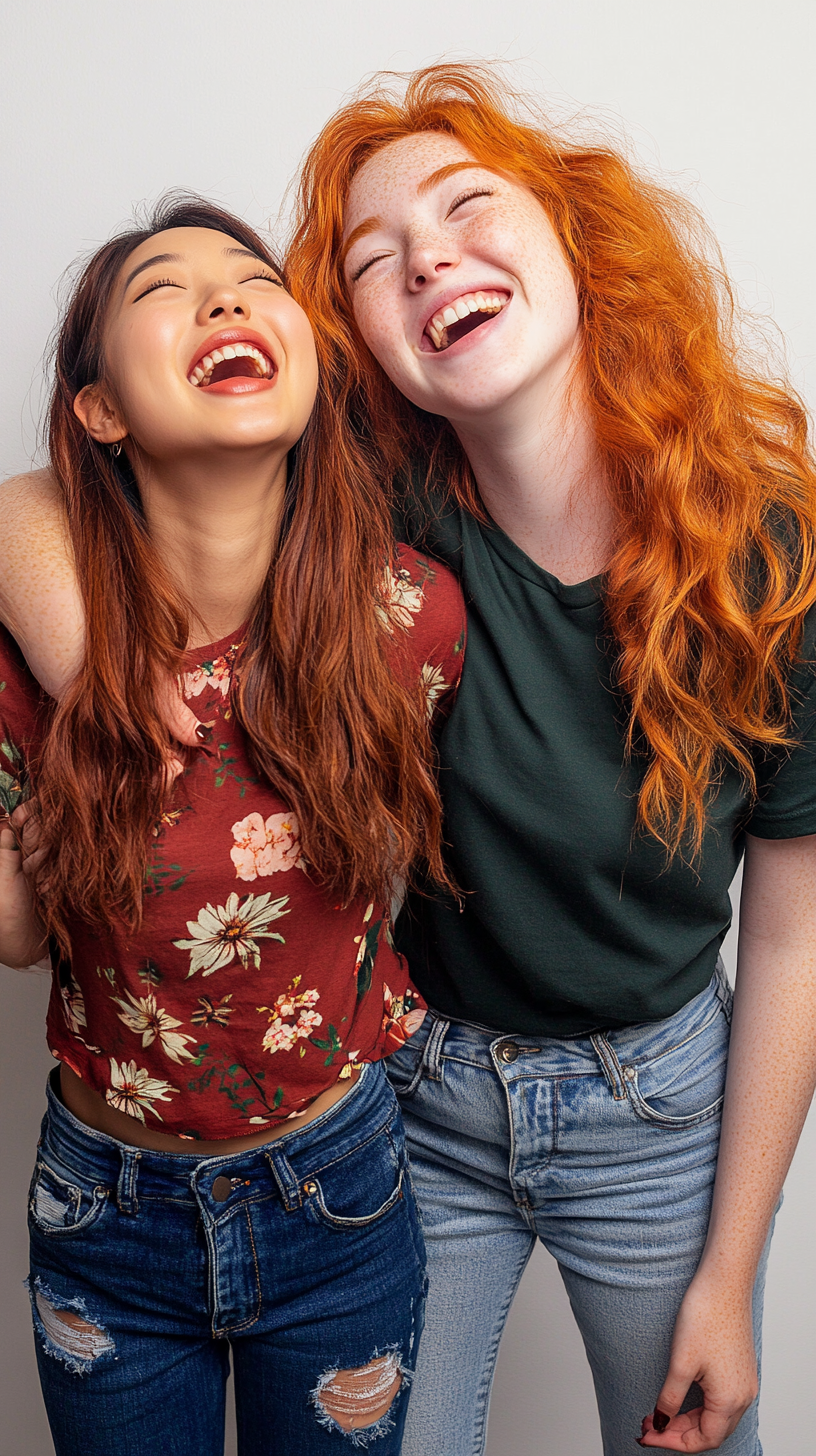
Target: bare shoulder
<point x="35" y="491"/>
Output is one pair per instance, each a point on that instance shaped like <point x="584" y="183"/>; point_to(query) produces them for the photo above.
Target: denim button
<point x="508" y="1051"/>
<point x="221" y="1189"/>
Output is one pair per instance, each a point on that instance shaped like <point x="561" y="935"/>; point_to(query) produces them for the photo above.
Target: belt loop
<point x="126" y="1199"/>
<point x="432" y="1055"/>
<point x="610" y="1066"/>
<point x="284" y="1176"/>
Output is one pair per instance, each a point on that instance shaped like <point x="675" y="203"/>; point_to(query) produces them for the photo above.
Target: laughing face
<point x="204" y="350"/>
<point x="458" y="282"/>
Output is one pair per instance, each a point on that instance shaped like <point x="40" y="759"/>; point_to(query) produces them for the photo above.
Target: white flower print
<point x="133" y="1089"/>
<point x="434" y="685"/>
<point x="224" y="931"/>
<point x="73" y="1006"/>
<point x="401" y="599"/>
<point x="143" y="1015"/>
<point x="281" y="1035"/>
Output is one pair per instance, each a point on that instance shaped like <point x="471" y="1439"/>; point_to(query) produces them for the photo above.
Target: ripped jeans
<point x="304" y="1257"/>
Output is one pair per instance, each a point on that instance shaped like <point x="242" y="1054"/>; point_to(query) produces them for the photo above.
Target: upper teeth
<point x="437" y="327"/>
<point x="204" y="367"/>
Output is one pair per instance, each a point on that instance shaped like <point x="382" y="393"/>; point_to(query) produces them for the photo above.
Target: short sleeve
<point x="20" y="730"/>
<point x="786" y="804"/>
<point x="427" y="609"/>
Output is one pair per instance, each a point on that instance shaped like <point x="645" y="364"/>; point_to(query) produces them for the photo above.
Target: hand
<point x="714" y="1345"/>
<point x="22" y="941"/>
<point x="183" y="723"/>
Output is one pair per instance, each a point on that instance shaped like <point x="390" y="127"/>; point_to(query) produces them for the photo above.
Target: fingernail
<point x="660" y="1420"/>
<point x="202" y="734"/>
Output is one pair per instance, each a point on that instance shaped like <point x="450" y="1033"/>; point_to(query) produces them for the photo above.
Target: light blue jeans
<point x="605" y="1148"/>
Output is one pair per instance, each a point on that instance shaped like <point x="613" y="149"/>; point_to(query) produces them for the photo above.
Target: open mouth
<point x="232" y="362"/>
<point x="463" y="316"/>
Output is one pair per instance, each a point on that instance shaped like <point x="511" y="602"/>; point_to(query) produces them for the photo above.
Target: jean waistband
<point x="367" y="1109"/>
<point x="636" y="1043"/>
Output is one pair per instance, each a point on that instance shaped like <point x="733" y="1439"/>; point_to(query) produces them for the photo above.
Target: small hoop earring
<point x="116" y="448"/>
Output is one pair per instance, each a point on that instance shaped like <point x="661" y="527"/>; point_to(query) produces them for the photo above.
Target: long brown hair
<point x="708" y="462"/>
<point x="329" y="725"/>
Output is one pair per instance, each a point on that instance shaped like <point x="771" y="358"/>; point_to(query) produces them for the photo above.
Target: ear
<point x="99" y="415"/>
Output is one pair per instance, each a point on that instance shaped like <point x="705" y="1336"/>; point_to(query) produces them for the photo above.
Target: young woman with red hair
<point x="530" y="339"/>
<point x="632" y="512"/>
<point x="222" y="1159"/>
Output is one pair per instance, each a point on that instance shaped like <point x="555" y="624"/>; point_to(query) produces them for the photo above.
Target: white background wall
<point x="104" y="104"/>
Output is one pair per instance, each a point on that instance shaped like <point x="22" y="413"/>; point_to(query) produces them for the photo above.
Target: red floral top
<point x="246" y="993"/>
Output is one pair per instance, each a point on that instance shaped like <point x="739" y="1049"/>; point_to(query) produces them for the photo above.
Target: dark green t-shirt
<point x="573" y="919"/>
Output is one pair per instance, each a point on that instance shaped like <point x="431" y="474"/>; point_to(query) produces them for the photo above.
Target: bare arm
<point x="771" y="1078"/>
<point x="39" y="600"/>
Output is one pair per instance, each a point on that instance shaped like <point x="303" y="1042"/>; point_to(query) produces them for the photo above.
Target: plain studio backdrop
<point x="107" y="103"/>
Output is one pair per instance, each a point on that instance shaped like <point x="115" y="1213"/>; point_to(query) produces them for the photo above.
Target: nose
<point x="223" y="300"/>
<point x="427" y="259"/>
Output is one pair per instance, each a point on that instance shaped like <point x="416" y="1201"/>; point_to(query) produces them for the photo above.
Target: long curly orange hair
<point x="707" y="461"/>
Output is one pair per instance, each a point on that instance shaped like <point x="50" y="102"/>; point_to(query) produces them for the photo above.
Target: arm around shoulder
<point x="40" y="601"/>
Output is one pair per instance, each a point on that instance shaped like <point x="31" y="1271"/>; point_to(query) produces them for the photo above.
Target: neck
<point x="215" y="524"/>
<point x="536" y="465"/>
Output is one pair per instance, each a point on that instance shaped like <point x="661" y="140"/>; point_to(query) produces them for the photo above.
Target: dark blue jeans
<point x="305" y="1257"/>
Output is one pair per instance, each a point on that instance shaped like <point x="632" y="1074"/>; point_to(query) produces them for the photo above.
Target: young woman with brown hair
<point x="222" y="1160"/>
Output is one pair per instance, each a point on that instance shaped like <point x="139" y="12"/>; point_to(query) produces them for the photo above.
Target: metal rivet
<point x="629" y="1074"/>
<point x="310" y="1188"/>
<point x="221" y="1189"/>
<point x="508" y="1051"/>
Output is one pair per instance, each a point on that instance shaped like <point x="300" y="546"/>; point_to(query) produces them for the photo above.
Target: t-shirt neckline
<point x="572" y="594"/>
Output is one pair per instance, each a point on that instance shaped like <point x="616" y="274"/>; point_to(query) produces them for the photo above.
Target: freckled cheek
<point x="378" y="329"/>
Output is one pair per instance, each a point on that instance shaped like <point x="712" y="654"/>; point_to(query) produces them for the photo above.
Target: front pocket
<point x="353" y="1221"/>
<point x="59" y="1207"/>
<point x="684" y="1085"/>
<point x="359" y="1188"/>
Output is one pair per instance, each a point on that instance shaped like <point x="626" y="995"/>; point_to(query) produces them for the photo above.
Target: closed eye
<point x="159" y="283"/>
<point x="358" y="273"/>
<point x="467" y="196"/>
<point x="265" y="278"/>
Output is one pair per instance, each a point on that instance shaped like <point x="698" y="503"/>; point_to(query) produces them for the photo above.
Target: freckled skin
<point x="504" y="241"/>
<point x="528" y="440"/>
<point x="512" y="389"/>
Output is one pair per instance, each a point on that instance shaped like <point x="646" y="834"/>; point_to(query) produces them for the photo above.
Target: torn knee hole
<point x="72" y="1335"/>
<point x="355" y="1398"/>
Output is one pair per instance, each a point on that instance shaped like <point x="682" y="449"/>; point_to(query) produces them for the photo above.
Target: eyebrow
<point x="177" y="258"/>
<point x="159" y="258"/>
<point x="443" y="173"/>
<point x="256" y="258"/>
<point x="362" y="230"/>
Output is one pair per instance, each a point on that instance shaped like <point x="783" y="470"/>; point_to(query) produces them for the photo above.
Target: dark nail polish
<point x="660" y="1421"/>
<point x="202" y="734"/>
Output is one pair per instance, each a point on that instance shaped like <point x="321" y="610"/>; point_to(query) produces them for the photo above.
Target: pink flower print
<point x="279" y="1037"/>
<point x="308" y="1021"/>
<point x="215" y="674"/>
<point x="265" y="847"/>
<point x="282" y="1035"/>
